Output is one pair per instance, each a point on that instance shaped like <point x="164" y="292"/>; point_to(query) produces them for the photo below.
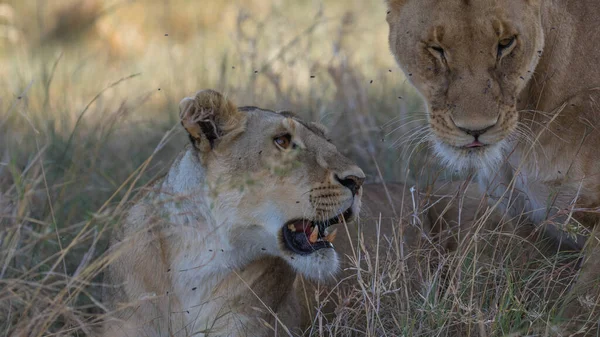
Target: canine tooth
<point x="291" y="227"/>
<point x="331" y="236"/>
<point x="313" y="235"/>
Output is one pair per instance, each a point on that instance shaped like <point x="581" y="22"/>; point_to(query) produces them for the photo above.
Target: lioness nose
<point x="353" y="183"/>
<point x="476" y="133"/>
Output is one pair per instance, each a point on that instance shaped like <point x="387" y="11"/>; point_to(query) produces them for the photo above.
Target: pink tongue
<point x="475" y="144"/>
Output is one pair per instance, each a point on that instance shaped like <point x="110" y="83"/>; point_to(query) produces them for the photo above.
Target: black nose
<point x="475" y="133"/>
<point x="353" y="183"/>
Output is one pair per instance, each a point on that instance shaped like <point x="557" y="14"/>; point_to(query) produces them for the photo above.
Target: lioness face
<point x="277" y="180"/>
<point x="470" y="60"/>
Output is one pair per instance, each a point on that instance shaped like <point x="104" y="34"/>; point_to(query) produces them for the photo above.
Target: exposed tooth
<point x="291" y="227"/>
<point x="331" y="236"/>
<point x="313" y="235"/>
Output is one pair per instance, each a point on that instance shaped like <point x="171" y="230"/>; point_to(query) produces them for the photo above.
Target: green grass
<point x="86" y="121"/>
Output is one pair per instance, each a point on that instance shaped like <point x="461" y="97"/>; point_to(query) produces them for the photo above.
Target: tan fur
<point x="202" y="253"/>
<point x="390" y="228"/>
<point x="388" y="221"/>
<point x="397" y="220"/>
<point x="540" y="100"/>
<point x="444" y="215"/>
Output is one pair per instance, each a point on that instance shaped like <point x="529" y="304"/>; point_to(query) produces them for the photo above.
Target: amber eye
<point x="504" y="45"/>
<point x="438" y="50"/>
<point x="284" y="141"/>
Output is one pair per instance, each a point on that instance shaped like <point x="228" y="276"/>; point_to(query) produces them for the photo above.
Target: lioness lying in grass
<point x="217" y="245"/>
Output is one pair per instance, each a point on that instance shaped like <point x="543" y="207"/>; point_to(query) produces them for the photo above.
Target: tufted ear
<point x="207" y="117"/>
<point x="321" y="128"/>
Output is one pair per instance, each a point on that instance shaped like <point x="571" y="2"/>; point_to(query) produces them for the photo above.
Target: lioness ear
<point x="207" y="117"/>
<point x="322" y="128"/>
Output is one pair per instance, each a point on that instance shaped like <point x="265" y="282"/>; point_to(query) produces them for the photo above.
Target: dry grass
<point x="88" y="99"/>
<point x="499" y="281"/>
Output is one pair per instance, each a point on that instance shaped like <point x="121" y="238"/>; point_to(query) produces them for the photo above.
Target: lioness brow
<point x="286" y="113"/>
<point x="252" y="108"/>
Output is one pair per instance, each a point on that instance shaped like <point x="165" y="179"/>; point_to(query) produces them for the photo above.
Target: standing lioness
<point x="214" y="248"/>
<point x="512" y="89"/>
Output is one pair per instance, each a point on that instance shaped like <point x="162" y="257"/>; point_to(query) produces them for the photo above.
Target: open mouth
<point x="303" y="236"/>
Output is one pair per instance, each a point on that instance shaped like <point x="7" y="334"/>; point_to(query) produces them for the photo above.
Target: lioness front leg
<point x="584" y="297"/>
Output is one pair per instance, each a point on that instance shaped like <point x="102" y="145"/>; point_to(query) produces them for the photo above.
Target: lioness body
<point x="560" y="108"/>
<point x="217" y="246"/>
<point x="176" y="280"/>
<point x="512" y="89"/>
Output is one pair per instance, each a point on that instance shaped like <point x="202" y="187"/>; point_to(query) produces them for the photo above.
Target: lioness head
<point x="470" y="60"/>
<point x="275" y="183"/>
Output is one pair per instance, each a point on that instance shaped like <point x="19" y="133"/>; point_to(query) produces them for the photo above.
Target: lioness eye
<point x="505" y="44"/>
<point x="283" y="141"/>
<point x="438" y="50"/>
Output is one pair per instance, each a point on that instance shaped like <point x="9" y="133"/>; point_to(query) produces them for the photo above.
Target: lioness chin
<point x="217" y="246"/>
<point x="512" y="90"/>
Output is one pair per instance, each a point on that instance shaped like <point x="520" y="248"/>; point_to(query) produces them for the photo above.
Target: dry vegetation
<point x="88" y="99"/>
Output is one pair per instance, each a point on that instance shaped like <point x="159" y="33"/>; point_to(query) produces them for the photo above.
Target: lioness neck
<point x="210" y="279"/>
<point x="557" y="97"/>
<point x="569" y="61"/>
<point x="197" y="219"/>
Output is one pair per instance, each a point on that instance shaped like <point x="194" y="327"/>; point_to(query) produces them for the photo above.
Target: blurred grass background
<point x="88" y="113"/>
<point x="99" y="81"/>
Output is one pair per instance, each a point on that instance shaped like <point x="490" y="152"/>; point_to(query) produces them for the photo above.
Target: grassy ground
<point x="88" y="114"/>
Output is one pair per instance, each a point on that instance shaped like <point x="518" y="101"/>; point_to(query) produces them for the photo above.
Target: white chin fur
<point x="321" y="265"/>
<point x="488" y="159"/>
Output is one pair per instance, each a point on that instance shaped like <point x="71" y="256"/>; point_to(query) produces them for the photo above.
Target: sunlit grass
<point x="89" y="116"/>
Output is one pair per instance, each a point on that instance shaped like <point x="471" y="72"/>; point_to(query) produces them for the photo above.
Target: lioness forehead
<point x="463" y="22"/>
<point x="314" y="128"/>
<point x="479" y="4"/>
<point x="453" y="11"/>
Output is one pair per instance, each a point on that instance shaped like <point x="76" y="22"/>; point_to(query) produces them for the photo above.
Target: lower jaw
<point x="290" y="241"/>
<point x="473" y="150"/>
<point x="462" y="158"/>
